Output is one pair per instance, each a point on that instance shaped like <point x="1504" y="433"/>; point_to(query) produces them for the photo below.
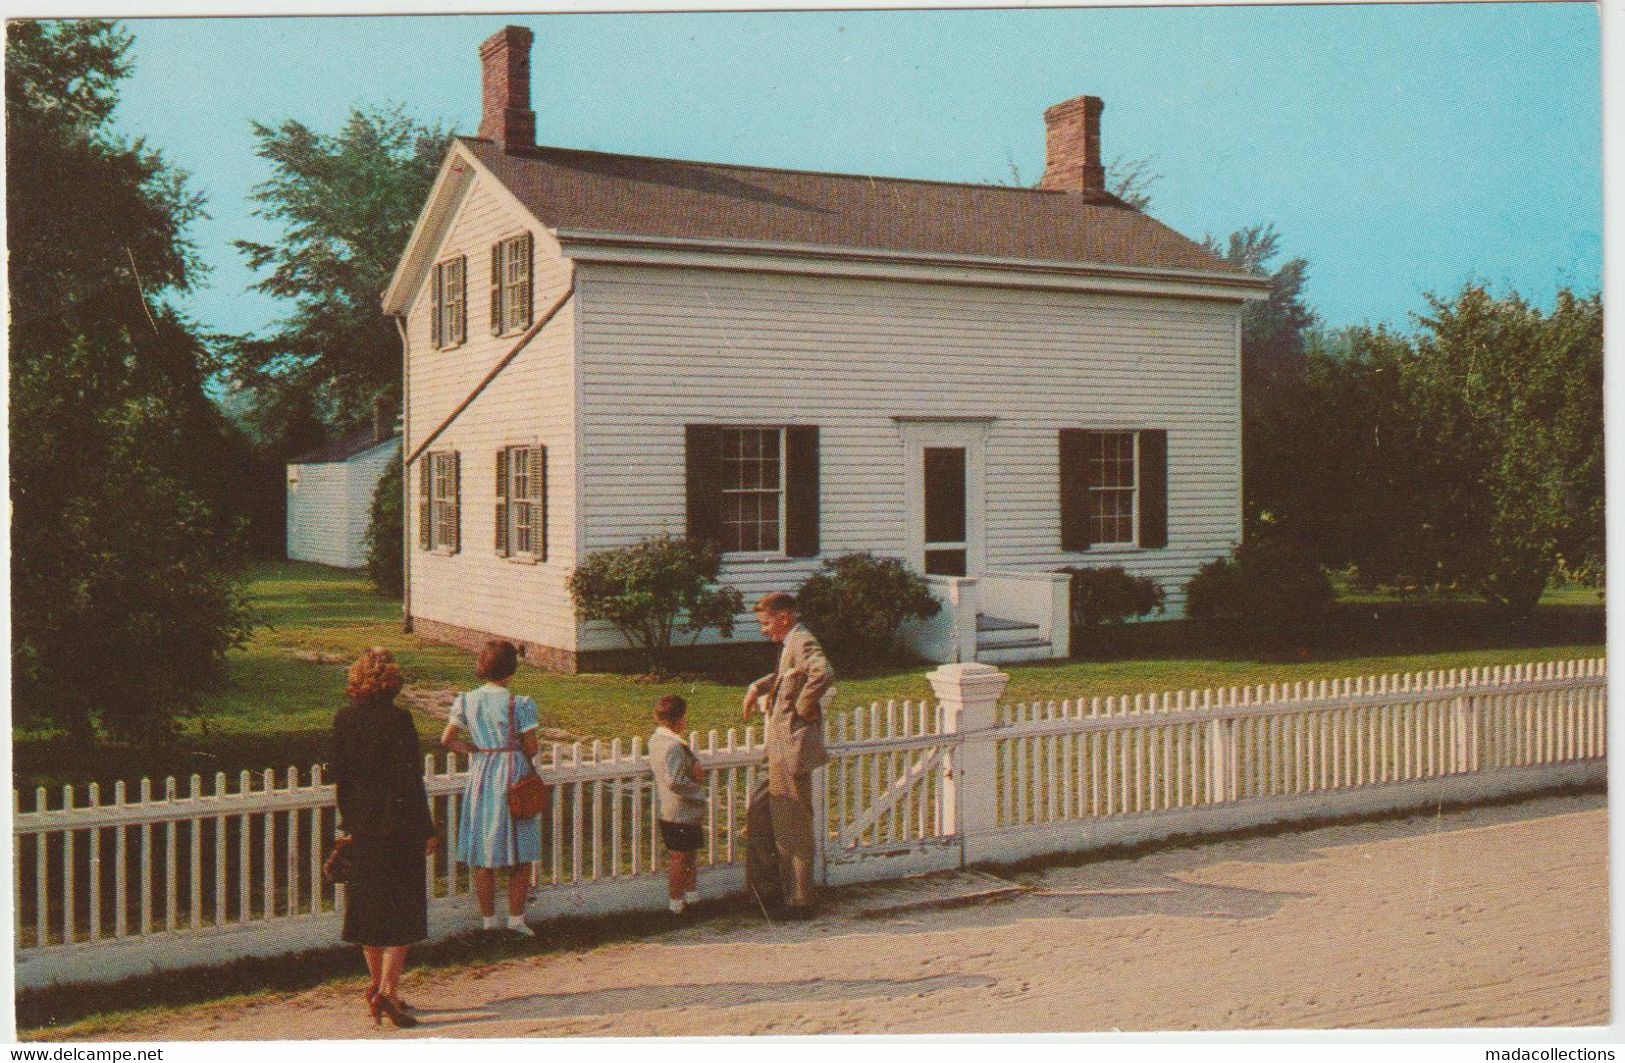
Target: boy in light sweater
<point x="681" y="800"/>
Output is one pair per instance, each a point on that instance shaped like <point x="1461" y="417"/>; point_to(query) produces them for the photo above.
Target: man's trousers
<point x="779" y="824"/>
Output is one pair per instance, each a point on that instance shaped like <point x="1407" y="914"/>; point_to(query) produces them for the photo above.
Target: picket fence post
<point x="969" y="693"/>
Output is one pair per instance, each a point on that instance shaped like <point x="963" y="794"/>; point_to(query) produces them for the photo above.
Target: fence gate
<point x="887" y="794"/>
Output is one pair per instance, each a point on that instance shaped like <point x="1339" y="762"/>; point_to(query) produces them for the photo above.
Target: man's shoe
<point x="796" y="913"/>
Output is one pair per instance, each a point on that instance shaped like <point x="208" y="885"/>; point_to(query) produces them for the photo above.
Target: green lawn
<point x="282" y="688"/>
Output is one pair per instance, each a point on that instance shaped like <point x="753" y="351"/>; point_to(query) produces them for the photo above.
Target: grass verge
<point x="276" y="705"/>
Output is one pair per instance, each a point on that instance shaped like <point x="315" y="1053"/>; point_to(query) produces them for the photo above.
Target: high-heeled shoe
<point x="400" y="1018"/>
<point x="374" y="1008"/>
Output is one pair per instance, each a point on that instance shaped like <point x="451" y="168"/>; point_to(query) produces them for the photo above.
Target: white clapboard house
<point x="988" y="382"/>
<point x="330" y="493"/>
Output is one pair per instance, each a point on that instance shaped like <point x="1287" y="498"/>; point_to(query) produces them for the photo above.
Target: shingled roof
<point x="634" y="195"/>
<point x="357" y="442"/>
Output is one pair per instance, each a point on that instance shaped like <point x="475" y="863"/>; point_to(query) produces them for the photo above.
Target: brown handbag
<point x="340" y="863"/>
<point x="528" y="796"/>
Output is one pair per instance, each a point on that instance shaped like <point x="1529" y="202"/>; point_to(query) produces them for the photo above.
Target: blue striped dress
<point x="486" y="835"/>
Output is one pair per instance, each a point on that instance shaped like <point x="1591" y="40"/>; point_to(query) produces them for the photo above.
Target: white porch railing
<point x="103" y="889"/>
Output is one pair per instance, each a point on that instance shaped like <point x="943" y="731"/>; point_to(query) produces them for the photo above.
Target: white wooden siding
<point x="331" y="505"/>
<point x="530" y="402"/>
<point x="663" y="348"/>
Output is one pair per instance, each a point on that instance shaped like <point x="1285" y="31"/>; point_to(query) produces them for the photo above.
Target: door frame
<point x="918" y="433"/>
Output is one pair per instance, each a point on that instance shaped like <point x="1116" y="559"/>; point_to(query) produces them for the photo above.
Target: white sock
<point x="691" y="897"/>
<point x="676" y="907"/>
<point x="490" y="922"/>
<point x="516" y="921"/>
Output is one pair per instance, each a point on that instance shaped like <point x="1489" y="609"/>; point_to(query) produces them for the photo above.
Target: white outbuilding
<point x="330" y="493"/>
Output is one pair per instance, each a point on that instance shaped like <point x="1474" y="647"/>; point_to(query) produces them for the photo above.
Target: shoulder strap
<point x="513" y="725"/>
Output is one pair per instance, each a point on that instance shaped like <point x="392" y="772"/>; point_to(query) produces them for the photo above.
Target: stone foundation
<point x="750" y="659"/>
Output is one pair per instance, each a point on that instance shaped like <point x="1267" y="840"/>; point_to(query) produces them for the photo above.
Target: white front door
<point x="943" y="462"/>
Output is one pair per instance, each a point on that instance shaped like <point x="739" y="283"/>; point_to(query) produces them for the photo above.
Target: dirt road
<point x="1490" y="917"/>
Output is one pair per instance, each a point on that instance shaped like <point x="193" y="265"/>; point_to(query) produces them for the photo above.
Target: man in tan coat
<point x="779" y="864"/>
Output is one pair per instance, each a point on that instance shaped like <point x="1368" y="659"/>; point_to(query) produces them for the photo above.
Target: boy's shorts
<point x="680" y="837"/>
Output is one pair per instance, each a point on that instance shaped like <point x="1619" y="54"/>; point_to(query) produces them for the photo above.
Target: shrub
<point x="1108" y="596"/>
<point x="1268" y="587"/>
<point x="856" y="603"/>
<point x="384" y="530"/>
<point x="655" y="590"/>
<point x="1111" y="596"/>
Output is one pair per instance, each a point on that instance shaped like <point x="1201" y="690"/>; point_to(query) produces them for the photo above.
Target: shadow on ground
<point x="708" y="995"/>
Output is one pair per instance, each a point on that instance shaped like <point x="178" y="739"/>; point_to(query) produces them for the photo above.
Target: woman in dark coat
<point x="383" y="807"/>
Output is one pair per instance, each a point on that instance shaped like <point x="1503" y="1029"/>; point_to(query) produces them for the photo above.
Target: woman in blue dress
<point x="498" y="728"/>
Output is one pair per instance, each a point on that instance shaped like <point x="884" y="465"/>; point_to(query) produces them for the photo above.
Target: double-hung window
<point x="521" y="510"/>
<point x="1114" y="488"/>
<point x="439" y="491"/>
<point x="511" y="285"/>
<point x="752" y="490"/>
<point x="448" y="321"/>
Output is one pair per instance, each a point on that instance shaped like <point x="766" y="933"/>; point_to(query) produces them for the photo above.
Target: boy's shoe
<point x="676" y="907"/>
<point x="517" y="924"/>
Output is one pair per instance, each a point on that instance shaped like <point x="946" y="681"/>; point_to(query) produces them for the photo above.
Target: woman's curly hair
<point x="374" y="676"/>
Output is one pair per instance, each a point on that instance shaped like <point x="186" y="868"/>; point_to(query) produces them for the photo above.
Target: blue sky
<point x="1399" y="149"/>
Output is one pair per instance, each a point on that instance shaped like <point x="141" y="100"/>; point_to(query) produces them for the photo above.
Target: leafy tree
<point x="1467" y="455"/>
<point x="856" y="603"/>
<point x="385" y="565"/>
<point x="123" y="597"/>
<point x="347" y="202"/>
<point x="1131" y="179"/>
<point x="1273" y="336"/>
<point x="655" y="590"/>
<point x="1513" y="403"/>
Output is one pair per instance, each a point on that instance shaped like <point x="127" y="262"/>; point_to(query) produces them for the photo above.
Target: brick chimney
<point x="1072" y="146"/>
<point x="505" y="114"/>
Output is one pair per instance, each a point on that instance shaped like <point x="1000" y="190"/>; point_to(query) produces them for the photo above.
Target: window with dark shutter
<point x="754" y="489"/>
<point x="502" y="503"/>
<point x="801" y="491"/>
<point x="449" y="317"/>
<point x="522" y="502"/>
<point x="455" y="522"/>
<point x="702" y="453"/>
<point x="1114" y="488"/>
<point x="538" y="503"/>
<point x="1153" y="475"/>
<point x="443" y="490"/>
<point x="511" y="293"/>
<point x="425" y="503"/>
<point x="1074" y="472"/>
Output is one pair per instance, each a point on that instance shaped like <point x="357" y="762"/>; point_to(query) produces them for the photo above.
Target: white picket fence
<point x="171" y="878"/>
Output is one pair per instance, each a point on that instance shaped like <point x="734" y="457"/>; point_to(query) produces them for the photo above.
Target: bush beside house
<point x="855" y="604"/>
<point x="1104" y="598"/>
<point x="655" y="591"/>
<point x="1268" y="589"/>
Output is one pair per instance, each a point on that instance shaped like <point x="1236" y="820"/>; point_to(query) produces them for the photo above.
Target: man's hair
<point x="776" y="602"/>
<point x="669" y="708"/>
<point x="498" y="660"/>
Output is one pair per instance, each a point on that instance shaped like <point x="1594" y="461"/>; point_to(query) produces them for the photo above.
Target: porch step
<point x="1000" y="640"/>
<point x="986" y="623"/>
<point x="1009" y="653"/>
